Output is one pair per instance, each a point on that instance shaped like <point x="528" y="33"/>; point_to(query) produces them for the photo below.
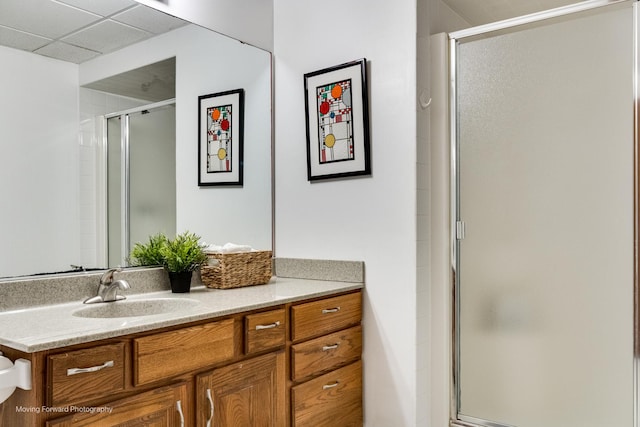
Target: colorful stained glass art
<point x="219" y="139"/>
<point x="335" y="124"/>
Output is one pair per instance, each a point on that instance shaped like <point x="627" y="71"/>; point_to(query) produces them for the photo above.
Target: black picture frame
<point x="337" y="121"/>
<point x="221" y="138"/>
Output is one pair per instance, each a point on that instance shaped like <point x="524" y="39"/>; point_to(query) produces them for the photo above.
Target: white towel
<point x="233" y="248"/>
<point x="228" y="248"/>
<point x="212" y="248"/>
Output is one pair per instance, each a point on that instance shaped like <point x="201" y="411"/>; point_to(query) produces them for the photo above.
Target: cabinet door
<point x="162" y="407"/>
<point x="250" y="393"/>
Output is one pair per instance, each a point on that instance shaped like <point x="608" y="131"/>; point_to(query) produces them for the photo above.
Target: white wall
<point x="438" y="17"/>
<point x="368" y="218"/>
<point x="39" y="228"/>
<point x="206" y="63"/>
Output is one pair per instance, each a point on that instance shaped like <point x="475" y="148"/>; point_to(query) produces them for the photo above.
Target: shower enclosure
<point x="544" y="219"/>
<point x="141" y="177"/>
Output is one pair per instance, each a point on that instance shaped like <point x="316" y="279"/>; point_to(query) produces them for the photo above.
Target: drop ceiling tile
<point x="106" y="36"/>
<point x="149" y="19"/>
<point x="67" y="52"/>
<point x="30" y="16"/>
<point x="101" y="7"/>
<point x="21" y="40"/>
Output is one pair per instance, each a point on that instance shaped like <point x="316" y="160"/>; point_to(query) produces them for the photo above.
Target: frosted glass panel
<point x="546" y="193"/>
<point x="151" y="179"/>
<point x="152" y="174"/>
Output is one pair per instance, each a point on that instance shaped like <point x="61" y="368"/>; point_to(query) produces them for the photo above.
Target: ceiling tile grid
<point x="78" y="30"/>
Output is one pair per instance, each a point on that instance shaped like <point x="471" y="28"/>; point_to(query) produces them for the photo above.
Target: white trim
<point x="534" y="17"/>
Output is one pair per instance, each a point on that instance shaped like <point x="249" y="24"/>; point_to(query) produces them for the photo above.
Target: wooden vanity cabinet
<point x="326" y="367"/>
<point x="295" y="364"/>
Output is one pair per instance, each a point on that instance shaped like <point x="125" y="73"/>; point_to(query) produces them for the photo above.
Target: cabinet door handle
<point x="330" y="310"/>
<point x="327" y="386"/>
<point x="330" y="347"/>
<point x="269" y="326"/>
<point x="75" y="371"/>
<point x="210" y="399"/>
<point x="179" y="409"/>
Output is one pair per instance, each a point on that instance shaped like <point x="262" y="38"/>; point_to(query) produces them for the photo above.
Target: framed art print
<point x="220" y="133"/>
<point x="337" y="121"/>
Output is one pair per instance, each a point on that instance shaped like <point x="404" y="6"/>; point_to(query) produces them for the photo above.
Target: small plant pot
<point x="180" y="282"/>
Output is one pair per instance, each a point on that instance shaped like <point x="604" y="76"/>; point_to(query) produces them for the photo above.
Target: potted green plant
<point x="180" y="256"/>
<point x="149" y="253"/>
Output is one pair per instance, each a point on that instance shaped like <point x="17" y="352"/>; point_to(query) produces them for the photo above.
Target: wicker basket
<point x="235" y="270"/>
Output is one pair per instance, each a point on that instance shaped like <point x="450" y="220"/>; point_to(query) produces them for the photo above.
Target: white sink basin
<point x="135" y="308"/>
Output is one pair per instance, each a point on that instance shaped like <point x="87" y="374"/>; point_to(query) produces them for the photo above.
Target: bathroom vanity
<point x="283" y="354"/>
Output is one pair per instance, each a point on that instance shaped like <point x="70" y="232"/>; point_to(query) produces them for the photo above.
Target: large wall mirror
<point x="72" y="71"/>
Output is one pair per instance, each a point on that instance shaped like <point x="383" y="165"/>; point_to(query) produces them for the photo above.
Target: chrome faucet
<point x="108" y="288"/>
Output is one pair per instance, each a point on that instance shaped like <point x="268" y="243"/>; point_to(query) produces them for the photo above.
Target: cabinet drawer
<point x="82" y="375"/>
<point x="264" y="331"/>
<point x="320" y="317"/>
<point x="334" y="399"/>
<point x="325" y="353"/>
<point x="166" y="354"/>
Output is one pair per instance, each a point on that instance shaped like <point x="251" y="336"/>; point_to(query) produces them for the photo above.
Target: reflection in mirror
<point x="141" y="170"/>
<point x="53" y="129"/>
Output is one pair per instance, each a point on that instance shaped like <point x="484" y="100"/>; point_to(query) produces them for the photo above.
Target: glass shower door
<point x="141" y="178"/>
<point x="545" y="197"/>
<point x="152" y="173"/>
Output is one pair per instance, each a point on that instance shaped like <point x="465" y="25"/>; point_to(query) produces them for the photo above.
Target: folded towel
<point x="232" y="248"/>
<point x="212" y="248"/>
<point x="228" y="248"/>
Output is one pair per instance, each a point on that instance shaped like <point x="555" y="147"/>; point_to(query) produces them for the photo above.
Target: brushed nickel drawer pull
<point x="330" y="310"/>
<point x="210" y="399"/>
<point x="330" y="347"/>
<point x="179" y="409"/>
<point x="270" y="326"/>
<point x="328" y="386"/>
<point x="75" y="371"/>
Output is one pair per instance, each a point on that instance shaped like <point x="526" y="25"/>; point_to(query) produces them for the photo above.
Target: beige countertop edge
<point x="54" y="326"/>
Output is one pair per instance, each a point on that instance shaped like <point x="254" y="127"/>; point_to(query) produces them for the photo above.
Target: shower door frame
<point x="457" y="226"/>
<point x="125" y="246"/>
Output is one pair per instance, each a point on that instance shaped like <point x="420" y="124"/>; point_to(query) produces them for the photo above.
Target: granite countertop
<point x="53" y="326"/>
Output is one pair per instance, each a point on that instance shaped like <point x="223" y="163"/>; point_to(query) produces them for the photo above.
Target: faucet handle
<point x="107" y="277"/>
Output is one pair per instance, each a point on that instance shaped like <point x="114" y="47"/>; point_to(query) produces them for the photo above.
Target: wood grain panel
<point x="333" y="399"/>
<point x="317" y="318"/>
<point x="246" y="393"/>
<point x="325" y="353"/>
<point x="163" y="355"/>
<point x="264" y="331"/>
<point x="157" y="407"/>
<point x="66" y="388"/>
